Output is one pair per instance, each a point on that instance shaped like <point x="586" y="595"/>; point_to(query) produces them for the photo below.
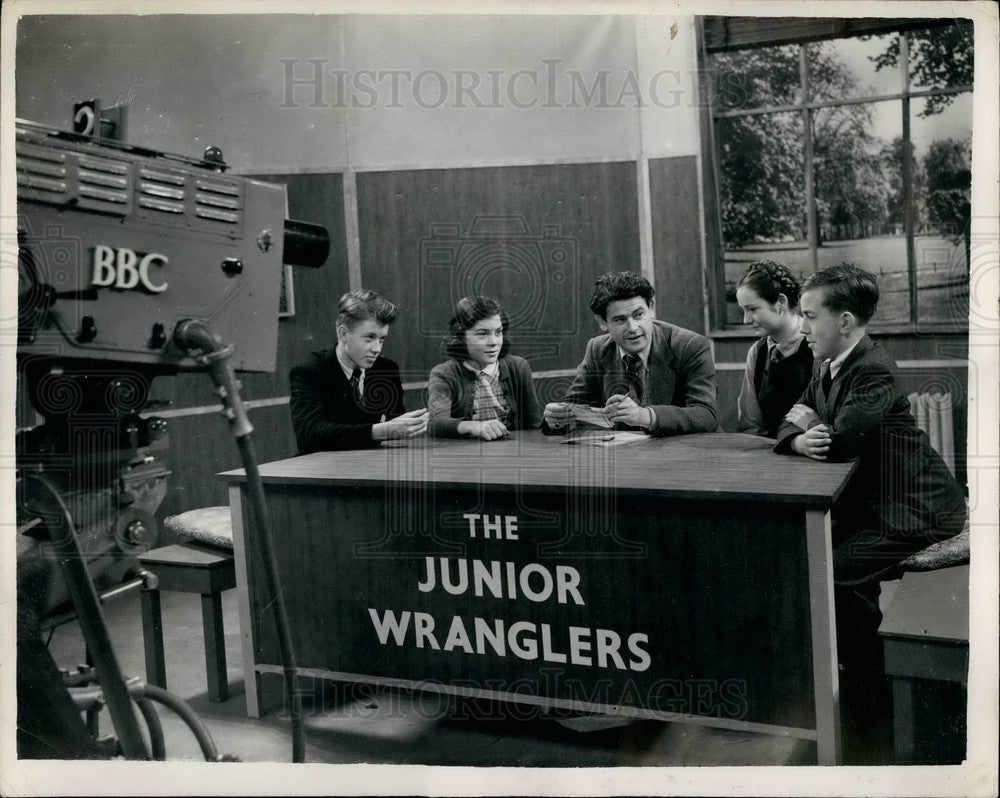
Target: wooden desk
<point x="683" y="578"/>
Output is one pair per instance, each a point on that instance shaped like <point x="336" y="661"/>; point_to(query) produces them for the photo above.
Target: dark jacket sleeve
<point x="316" y="427"/>
<point x="787" y="431"/>
<point x="696" y="369"/>
<point x="866" y="399"/>
<point x="749" y="418"/>
<point x="587" y="388"/>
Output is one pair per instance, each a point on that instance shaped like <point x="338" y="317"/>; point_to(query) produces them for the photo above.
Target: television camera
<point x="132" y="264"/>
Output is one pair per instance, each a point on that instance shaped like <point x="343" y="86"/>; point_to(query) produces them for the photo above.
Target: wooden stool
<point x="192" y="567"/>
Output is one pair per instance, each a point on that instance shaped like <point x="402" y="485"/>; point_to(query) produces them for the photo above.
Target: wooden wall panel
<point x="676" y="234"/>
<point x="533" y="236"/>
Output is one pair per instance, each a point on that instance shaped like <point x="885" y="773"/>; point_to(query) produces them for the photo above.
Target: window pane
<point x="858" y="165"/>
<point x="941" y="57"/>
<point x="762" y="193"/>
<point x="759" y="78"/>
<point x="940" y="117"/>
<point x="846" y="68"/>
<point x="942" y="147"/>
<point x="858" y="161"/>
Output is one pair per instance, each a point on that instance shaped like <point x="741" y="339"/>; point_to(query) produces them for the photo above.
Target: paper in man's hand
<point x="593" y="416"/>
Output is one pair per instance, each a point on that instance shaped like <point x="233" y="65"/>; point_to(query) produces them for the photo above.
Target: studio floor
<point x="350" y="723"/>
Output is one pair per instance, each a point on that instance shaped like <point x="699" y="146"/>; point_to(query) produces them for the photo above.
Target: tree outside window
<point x="853" y="149"/>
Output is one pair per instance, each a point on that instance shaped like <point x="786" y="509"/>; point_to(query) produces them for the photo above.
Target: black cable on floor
<point x="154" y="727"/>
<point x="188" y="715"/>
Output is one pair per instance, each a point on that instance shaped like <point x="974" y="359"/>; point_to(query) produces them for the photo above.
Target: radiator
<point x="933" y="412"/>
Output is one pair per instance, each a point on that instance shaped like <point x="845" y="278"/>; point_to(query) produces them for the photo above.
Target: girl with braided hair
<point x="780" y="363"/>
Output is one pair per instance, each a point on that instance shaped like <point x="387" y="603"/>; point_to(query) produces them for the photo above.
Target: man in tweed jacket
<point x="646" y="374"/>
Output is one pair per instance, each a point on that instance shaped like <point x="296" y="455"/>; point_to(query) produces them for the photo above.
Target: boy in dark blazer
<point x="645" y="373"/>
<point x="900" y="499"/>
<point x="350" y="397"/>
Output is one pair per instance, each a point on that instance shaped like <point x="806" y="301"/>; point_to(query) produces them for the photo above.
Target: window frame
<point x="714" y="36"/>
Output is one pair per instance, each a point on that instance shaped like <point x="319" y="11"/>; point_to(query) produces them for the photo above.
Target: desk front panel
<point x="575" y="597"/>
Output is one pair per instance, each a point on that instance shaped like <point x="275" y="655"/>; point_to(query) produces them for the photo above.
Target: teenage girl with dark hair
<point x="780" y="363"/>
<point x="480" y="391"/>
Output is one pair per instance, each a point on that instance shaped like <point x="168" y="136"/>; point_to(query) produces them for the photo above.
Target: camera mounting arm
<point x="197" y="339"/>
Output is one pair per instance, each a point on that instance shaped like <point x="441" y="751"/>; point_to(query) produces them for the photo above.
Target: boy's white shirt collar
<point x="348" y="370"/>
<point x="838" y="361"/>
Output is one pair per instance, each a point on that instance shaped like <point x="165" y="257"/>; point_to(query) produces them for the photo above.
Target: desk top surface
<point x="709" y="466"/>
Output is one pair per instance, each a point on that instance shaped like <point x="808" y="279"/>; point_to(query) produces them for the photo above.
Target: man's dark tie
<point x="356" y="386"/>
<point x="633" y="374"/>
<point x="827" y="381"/>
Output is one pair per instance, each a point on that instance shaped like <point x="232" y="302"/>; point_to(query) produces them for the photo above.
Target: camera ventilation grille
<point x="103" y="184"/>
<point x="59" y="176"/>
<point x="218" y="200"/>
<point x="42" y="173"/>
<point x="162" y="191"/>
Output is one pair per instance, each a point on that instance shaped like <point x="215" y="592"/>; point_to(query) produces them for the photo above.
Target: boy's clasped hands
<point x="815" y="441"/>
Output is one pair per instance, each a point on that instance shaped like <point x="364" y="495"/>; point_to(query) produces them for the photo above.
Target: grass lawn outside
<point x="942" y="276"/>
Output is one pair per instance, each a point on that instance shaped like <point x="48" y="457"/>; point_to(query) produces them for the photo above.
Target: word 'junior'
<point x="502" y="580"/>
